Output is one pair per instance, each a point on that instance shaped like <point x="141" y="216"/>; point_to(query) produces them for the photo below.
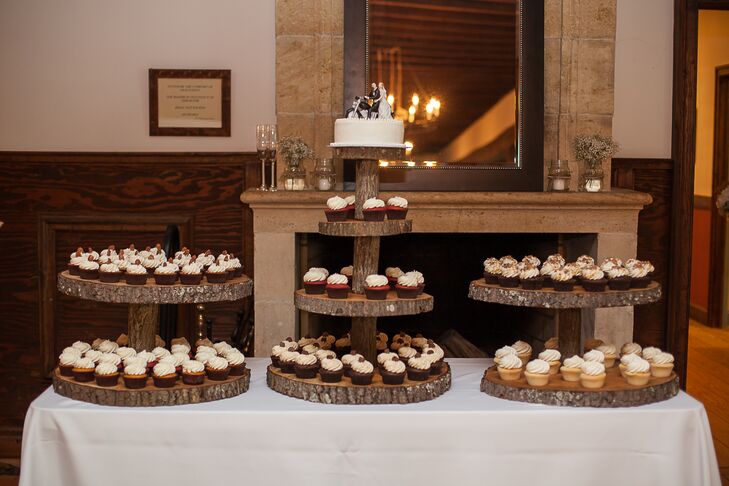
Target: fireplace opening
<point x="449" y="263"/>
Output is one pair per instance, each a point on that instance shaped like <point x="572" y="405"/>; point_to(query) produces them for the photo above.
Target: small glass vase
<point x="559" y="176"/>
<point x="591" y="178"/>
<point x="324" y="175"/>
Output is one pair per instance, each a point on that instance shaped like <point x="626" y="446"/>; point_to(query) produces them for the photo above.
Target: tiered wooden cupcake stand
<point x="568" y="305"/>
<point x="364" y="312"/>
<point x="143" y="316"/>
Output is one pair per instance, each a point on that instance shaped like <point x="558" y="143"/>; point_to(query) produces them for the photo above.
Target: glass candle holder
<point x="591" y="178"/>
<point x="559" y="176"/>
<point x="324" y="175"/>
<point x="294" y="178"/>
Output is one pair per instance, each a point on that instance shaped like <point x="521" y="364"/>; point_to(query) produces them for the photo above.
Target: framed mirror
<point x="466" y="79"/>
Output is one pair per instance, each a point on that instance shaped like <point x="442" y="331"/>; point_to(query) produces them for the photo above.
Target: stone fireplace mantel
<point x="612" y="217"/>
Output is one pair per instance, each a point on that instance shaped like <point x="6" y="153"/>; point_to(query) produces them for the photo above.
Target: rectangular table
<point x="464" y="437"/>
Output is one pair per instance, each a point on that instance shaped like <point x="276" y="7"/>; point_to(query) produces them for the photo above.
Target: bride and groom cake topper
<point x="379" y="109"/>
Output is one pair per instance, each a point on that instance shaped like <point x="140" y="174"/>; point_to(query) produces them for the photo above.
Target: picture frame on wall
<point x="189" y="102"/>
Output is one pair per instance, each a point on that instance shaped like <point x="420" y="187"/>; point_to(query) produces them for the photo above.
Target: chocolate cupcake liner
<point x="337" y="293"/>
<point x="305" y="372"/>
<point x="73" y="270"/>
<point x="83" y="376"/>
<point x="620" y="283"/>
<point x="107" y="380"/>
<point x="190" y="278"/>
<point x="316" y="288"/>
<point x="238" y="370"/>
<point x="361" y="378"/>
<point x="287" y="367"/>
<point x="406" y="292"/>
<point x="65" y="370"/>
<point x="331" y="376"/>
<point x="166" y="279"/>
<point x="110" y="277"/>
<point x="216" y="277"/>
<point x="509" y="282"/>
<point x="564" y="286"/>
<point x="136" y="278"/>
<point x="135" y="382"/>
<point x="336" y="216"/>
<point x="193" y="379"/>
<point x="165" y="381"/>
<point x="376" y="294"/>
<point x="396" y="214"/>
<point x="594" y="285"/>
<point x="392" y="378"/>
<point x="88" y="274"/>
<point x="415" y="374"/>
<point x="218" y="375"/>
<point x="490" y="278"/>
<point x="640" y="282"/>
<point x="275" y="361"/>
<point x="374" y="215"/>
<point x="532" y="283"/>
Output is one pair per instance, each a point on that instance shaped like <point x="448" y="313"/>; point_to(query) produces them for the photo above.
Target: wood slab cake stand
<point x="143" y="317"/>
<point x="364" y="312"/>
<point x="616" y="392"/>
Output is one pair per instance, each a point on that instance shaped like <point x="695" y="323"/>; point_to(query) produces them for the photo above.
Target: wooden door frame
<point x="683" y="153"/>
<point x="717" y="308"/>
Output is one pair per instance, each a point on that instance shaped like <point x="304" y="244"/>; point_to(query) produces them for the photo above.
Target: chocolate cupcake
<point x="217" y="368"/>
<point x="89" y="269"/>
<point x="193" y="372"/>
<point x="618" y="278"/>
<point x="83" y="370"/>
<point x="418" y="278"/>
<point x="593" y="279"/>
<point x="166" y="274"/>
<point x="376" y="287"/>
<point x="640" y="273"/>
<point x="361" y="371"/>
<point x="331" y="370"/>
<point x="418" y="368"/>
<point x="109" y="273"/>
<point x="75" y="260"/>
<point x="548" y="268"/>
<point x="315" y="281"/>
<point x="530" y="278"/>
<point x="150" y="263"/>
<point x="306" y="365"/>
<point x="374" y="209"/>
<point x="509" y="277"/>
<point x="66" y="361"/>
<point x="336" y="210"/>
<point x="216" y="273"/>
<point x="343" y="345"/>
<point x="164" y="375"/>
<point x="397" y="208"/>
<point x="337" y="287"/>
<point x="287" y="360"/>
<point x="385" y="356"/>
<point x="393" y="371"/>
<point x="136" y="274"/>
<point x="491" y="270"/>
<point x="236" y="361"/>
<point x="191" y="273"/>
<point x="562" y="280"/>
<point x="348" y="359"/>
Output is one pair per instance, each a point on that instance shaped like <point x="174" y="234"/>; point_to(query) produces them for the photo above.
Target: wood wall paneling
<point x="53" y="202"/>
<point x="653" y="176"/>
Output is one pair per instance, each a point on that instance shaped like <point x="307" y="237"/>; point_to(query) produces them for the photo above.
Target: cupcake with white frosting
<point x="649" y="352"/>
<point x="523" y="351"/>
<point x="191" y="272"/>
<point x="618" y="278"/>
<point x="631" y="348"/>
<point x="323" y="354"/>
<point x="164" y="375"/>
<point x="531" y="278"/>
<point x="376" y="287"/>
<point x="625" y="361"/>
<point x="287" y="360"/>
<point x="348" y="359"/>
<point x="350" y="206"/>
<point x="75" y="260"/>
<point x="537" y="372"/>
<point x="217" y="368"/>
<point x="135" y="375"/>
<point x="166" y="273"/>
<point x="547" y="269"/>
<point x="509" y="367"/>
<point x="509" y="277"/>
<point x="331" y="370"/>
<point x="407" y="286"/>
<point x="217" y="272"/>
<point x="397" y="207"/>
<point x="610" y="353"/>
<point x="193" y="372"/>
<point x="385" y="356"/>
<point x="336" y="210"/>
<point x="106" y="374"/>
<point x="306" y="365"/>
<point x="343" y="345"/>
<point x="315" y="281"/>
<point x="637" y="371"/>
<point x="66" y="360"/>
<point x="136" y="274"/>
<point x="592" y="278"/>
<point x="419" y="278"/>
<point x="361" y="371"/>
<point x="553" y="357"/>
<point x="418" y="368"/>
<point x="640" y="273"/>
<point x="572" y="368"/>
<point x="236" y="361"/>
<point x="150" y="263"/>
<point x="556" y="259"/>
<point x="593" y="374"/>
<point x="491" y="270"/>
<point x="662" y="365"/>
<point x="374" y="209"/>
<point x="89" y="268"/>
<point x="503" y="351"/>
<point x="393" y="371"/>
<point x="83" y="369"/>
<point x="109" y="272"/>
<point x="337" y="286"/>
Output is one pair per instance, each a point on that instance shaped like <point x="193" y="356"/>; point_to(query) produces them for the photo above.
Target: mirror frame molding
<point x="527" y="174"/>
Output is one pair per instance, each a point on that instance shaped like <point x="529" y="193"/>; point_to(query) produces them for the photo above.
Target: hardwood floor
<point x="706" y="379"/>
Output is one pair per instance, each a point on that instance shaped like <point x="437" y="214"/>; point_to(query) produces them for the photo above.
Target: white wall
<point x="73" y="73"/>
<point x="713" y="51"/>
<point x="643" y="78"/>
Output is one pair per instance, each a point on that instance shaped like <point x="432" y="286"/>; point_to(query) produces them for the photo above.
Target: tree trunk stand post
<point x="366" y="259"/>
<point x="143" y="320"/>
<point x="569" y="331"/>
<point x="367" y="184"/>
<point x="363" y="337"/>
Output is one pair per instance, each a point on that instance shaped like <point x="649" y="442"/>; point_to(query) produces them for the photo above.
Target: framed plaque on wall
<point x="189" y="102"/>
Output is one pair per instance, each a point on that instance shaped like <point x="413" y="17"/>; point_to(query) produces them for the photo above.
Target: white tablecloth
<point x="464" y="437"/>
